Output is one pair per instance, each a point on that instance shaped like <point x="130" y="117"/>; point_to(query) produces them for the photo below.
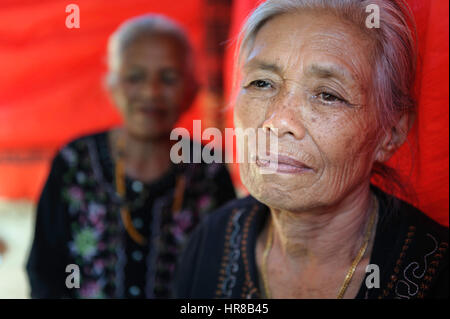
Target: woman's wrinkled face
<point x="151" y="87"/>
<point x="305" y="81"/>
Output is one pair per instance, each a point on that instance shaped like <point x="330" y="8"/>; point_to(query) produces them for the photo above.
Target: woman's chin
<point x="279" y="182"/>
<point x="275" y="200"/>
<point x="278" y="195"/>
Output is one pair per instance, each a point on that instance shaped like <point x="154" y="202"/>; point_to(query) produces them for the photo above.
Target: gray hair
<point x="394" y="56"/>
<point x="148" y="24"/>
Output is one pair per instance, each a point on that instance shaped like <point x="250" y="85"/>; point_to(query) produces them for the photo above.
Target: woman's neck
<point x="145" y="159"/>
<point x="321" y="238"/>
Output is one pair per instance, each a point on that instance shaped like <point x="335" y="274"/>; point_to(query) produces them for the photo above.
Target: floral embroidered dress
<point x="78" y="222"/>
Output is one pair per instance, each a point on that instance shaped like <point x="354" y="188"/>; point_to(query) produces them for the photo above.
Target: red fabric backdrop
<point x="51" y="86"/>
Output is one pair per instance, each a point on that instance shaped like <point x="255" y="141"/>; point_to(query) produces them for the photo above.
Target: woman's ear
<point x="395" y="137"/>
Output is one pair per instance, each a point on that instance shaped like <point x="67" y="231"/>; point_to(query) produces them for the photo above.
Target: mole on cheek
<point x="313" y="119"/>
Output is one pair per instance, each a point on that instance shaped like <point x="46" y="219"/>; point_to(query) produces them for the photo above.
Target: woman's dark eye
<point x="261" y="84"/>
<point x="169" y="79"/>
<point x="134" y="78"/>
<point x="328" y="97"/>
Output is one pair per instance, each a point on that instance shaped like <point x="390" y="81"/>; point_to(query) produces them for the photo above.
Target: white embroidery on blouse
<point x="410" y="275"/>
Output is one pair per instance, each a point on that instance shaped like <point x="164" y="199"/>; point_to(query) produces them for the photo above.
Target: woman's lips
<point x="155" y="112"/>
<point x="283" y="164"/>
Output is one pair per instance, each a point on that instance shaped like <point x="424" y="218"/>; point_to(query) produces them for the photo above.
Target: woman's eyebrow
<point x="258" y="64"/>
<point x="329" y="71"/>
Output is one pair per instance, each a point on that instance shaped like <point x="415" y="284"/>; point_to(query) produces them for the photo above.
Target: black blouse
<point x="410" y="249"/>
<point x="78" y="222"/>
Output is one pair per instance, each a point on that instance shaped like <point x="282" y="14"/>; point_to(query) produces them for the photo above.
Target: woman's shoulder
<point x="231" y="218"/>
<point x="216" y="243"/>
<point x="81" y="140"/>
<point x="71" y="151"/>
<point x="235" y="212"/>
<point x="412" y="249"/>
<point x="400" y="212"/>
<point x="424" y="224"/>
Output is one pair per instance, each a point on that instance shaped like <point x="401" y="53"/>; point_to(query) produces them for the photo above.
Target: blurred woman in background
<point x="114" y="204"/>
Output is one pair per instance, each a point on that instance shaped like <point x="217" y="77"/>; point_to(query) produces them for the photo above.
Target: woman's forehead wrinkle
<point x="342" y="49"/>
<point x="256" y="60"/>
<point x="344" y="45"/>
<point x="257" y="63"/>
<point x="329" y="71"/>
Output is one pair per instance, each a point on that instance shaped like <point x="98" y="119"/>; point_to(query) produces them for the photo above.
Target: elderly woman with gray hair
<point x="115" y="210"/>
<point x="337" y="97"/>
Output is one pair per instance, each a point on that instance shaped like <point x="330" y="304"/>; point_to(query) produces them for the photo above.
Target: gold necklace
<point x="121" y="190"/>
<point x="350" y="272"/>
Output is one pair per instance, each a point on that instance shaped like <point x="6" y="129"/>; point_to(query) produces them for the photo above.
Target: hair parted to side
<point x="394" y="56"/>
<point x="148" y="24"/>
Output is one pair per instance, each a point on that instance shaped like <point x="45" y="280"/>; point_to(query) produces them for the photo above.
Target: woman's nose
<point x="152" y="88"/>
<point x="283" y="119"/>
